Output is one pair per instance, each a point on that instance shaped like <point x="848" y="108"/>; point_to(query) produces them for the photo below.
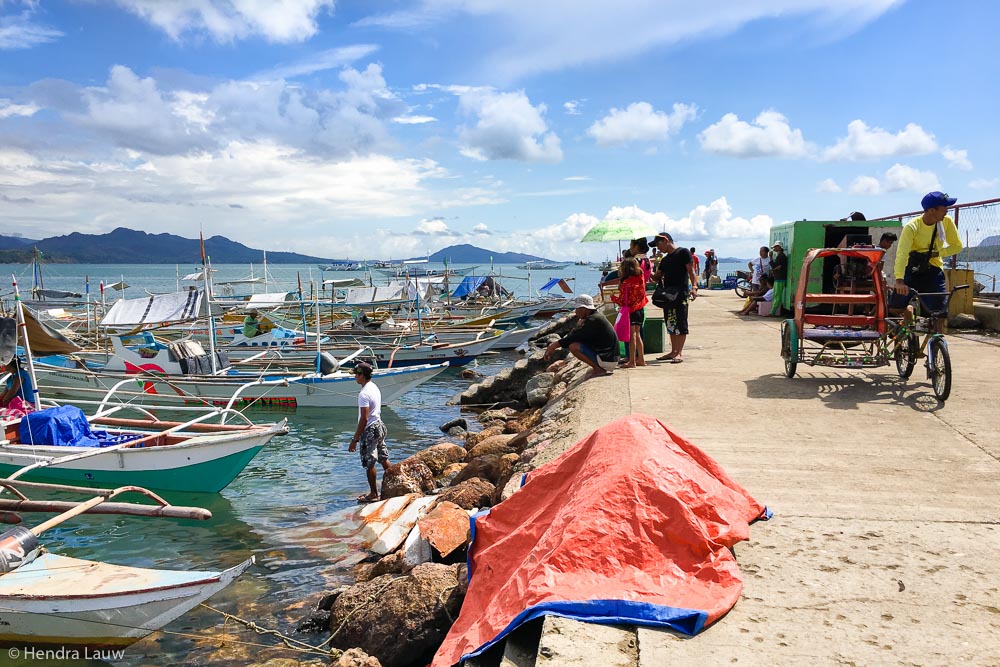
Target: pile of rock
<point x="405" y="601"/>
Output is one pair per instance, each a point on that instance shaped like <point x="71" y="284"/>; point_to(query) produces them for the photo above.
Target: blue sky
<point x="390" y="128"/>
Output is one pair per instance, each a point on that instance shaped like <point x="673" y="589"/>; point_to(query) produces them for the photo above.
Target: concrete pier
<point x="884" y="545"/>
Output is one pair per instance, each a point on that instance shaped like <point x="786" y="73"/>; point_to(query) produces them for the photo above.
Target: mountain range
<point x="128" y="246"/>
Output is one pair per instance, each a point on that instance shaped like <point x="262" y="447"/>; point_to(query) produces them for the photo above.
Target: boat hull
<point x="55" y="600"/>
<point x="202" y="464"/>
<point x="331" y="391"/>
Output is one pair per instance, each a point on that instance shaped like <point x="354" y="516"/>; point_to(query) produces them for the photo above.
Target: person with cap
<point x="779" y="278"/>
<point x="251" y="324"/>
<point x="370" y="433"/>
<point x="711" y="266"/>
<point x="924" y="240"/>
<point x="760" y="268"/>
<point x="674" y="274"/>
<point x="593" y="340"/>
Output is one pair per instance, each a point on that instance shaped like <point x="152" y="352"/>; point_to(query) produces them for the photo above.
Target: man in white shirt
<point x="370" y="431"/>
<point x="760" y="267"/>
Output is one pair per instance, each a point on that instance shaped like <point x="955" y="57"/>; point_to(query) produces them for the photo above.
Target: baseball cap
<point x="661" y="236"/>
<point x="363" y="367"/>
<point x="932" y="199"/>
<point x="584" y="301"/>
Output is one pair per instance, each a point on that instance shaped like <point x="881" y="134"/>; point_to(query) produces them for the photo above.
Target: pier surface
<point x="886" y="530"/>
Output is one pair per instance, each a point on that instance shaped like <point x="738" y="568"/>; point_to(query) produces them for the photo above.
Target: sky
<point x="369" y="129"/>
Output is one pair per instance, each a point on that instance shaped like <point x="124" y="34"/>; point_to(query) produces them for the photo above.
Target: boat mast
<point x="206" y="266"/>
<point x="19" y="308"/>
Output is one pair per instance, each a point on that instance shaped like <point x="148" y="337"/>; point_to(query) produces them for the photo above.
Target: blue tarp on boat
<point x="468" y="286"/>
<point x="66" y="426"/>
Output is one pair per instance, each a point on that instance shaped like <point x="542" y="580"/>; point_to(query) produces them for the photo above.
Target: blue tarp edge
<point x="607" y="612"/>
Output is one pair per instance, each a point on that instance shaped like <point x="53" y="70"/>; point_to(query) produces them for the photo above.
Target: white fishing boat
<point x="106" y="450"/>
<point x="542" y="265"/>
<point x="52" y="600"/>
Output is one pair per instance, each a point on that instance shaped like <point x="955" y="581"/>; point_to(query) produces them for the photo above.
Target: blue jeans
<point x="926" y="282"/>
<point x="588" y="352"/>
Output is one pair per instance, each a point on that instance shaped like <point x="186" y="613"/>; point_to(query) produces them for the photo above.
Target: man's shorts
<point x="927" y="282"/>
<point x="593" y="356"/>
<point x="372" y="444"/>
<point x="676" y="319"/>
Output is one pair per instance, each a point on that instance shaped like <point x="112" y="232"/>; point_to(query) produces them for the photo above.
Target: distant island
<point x="128" y="246"/>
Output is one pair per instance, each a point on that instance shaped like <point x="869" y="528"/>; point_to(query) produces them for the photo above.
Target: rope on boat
<point x="290" y="643"/>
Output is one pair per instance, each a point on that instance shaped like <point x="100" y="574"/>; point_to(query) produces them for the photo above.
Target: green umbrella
<point x="618" y="229"/>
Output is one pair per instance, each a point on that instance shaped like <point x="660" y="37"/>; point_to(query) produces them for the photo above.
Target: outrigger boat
<point x="46" y="599"/>
<point x="193" y="455"/>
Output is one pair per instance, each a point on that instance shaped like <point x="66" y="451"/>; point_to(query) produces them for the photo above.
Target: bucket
<point x="17" y="547"/>
<point x="654" y="334"/>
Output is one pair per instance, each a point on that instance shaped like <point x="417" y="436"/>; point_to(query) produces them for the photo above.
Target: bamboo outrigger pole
<point x="19" y="309"/>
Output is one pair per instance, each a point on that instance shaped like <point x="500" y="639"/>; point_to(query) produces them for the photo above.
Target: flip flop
<point x="677" y="360"/>
<point x="666" y="357"/>
<point x="367" y="499"/>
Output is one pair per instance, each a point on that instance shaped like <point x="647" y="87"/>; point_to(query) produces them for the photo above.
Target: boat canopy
<point x="268" y="299"/>
<point x="340" y="283"/>
<point x="156" y="309"/>
<point x="468" y="286"/>
<point x="554" y="282"/>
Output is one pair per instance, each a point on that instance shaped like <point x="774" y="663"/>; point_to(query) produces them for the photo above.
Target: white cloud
<point x="320" y="62"/>
<point x="828" y="185"/>
<point x="640" y="122"/>
<point x="507" y="127"/>
<point x="768" y="136"/>
<point x="578" y="178"/>
<point x="865" y="185"/>
<point x="984" y="183"/>
<point x="534" y="37"/>
<point x="8" y="109"/>
<point x="958" y="158"/>
<point x="19" y="31"/>
<point x="481" y="228"/>
<point x="863" y="142"/>
<point x="414" y="120"/>
<point x="572" y="107"/>
<point x="140" y="114"/>
<point x="902" y="177"/>
<point x="433" y="227"/>
<point x="229" y="20"/>
<point x="897" y="178"/>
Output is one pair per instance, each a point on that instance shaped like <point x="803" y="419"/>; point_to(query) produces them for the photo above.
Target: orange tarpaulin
<point x="631" y="526"/>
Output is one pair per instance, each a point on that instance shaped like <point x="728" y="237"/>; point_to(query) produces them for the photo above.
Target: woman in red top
<point x="632" y="295"/>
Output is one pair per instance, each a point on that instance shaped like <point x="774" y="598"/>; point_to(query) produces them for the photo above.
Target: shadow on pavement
<point x="840" y="391"/>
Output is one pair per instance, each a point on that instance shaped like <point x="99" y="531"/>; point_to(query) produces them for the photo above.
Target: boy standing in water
<point x="370" y="431"/>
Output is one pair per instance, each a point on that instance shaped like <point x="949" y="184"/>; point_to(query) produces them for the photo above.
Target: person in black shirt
<point x="593" y="340"/>
<point x="675" y="272"/>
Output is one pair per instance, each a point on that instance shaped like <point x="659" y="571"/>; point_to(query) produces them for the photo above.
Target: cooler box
<point x="654" y="333"/>
<point x="764" y="308"/>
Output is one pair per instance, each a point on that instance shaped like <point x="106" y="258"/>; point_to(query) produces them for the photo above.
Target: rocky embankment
<point x="409" y="592"/>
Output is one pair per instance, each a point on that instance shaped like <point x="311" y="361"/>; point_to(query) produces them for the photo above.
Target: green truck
<point x="797" y="238"/>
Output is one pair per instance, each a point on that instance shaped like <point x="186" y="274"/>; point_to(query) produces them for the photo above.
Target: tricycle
<point x="841" y="320"/>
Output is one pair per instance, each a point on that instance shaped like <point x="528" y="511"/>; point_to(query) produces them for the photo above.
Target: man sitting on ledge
<point x="593" y="340"/>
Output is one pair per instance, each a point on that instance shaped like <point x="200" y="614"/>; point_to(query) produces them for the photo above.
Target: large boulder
<point x="399" y="620"/>
<point x="486" y="467"/>
<point x="963" y="321"/>
<point x="498" y="414"/>
<point x="538" y="388"/>
<point x="409" y="476"/>
<point x="440" y="456"/>
<point x="472" y="439"/>
<point x="470" y="494"/>
<point x="355" y="657"/>
<point x="497" y="444"/>
<point x="508" y="469"/>
<point x="459" y="422"/>
<point x="446" y="527"/>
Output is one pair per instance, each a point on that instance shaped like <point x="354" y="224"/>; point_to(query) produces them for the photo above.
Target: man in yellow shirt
<point x="925" y="274"/>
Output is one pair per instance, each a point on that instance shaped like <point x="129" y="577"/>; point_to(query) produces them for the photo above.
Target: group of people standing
<point x="595" y="341"/>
